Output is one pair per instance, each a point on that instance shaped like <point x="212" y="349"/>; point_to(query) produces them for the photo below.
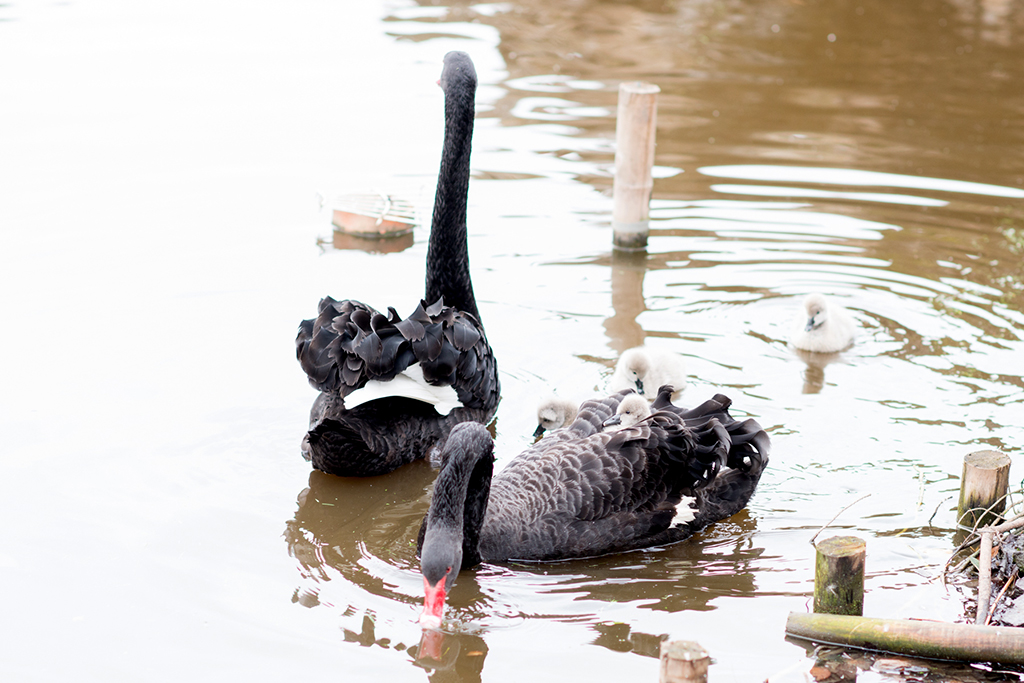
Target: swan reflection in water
<point x="339" y="525"/>
<point x="355" y="538"/>
<point x="814" y="370"/>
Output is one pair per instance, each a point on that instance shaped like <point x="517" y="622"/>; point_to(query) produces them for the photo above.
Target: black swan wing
<point x="318" y="340"/>
<point x="350" y="343"/>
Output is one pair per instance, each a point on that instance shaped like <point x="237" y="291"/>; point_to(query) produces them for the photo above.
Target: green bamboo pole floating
<point x="983" y="487"/>
<point x="839" y="575"/>
<point x="683" y="661"/>
<point x="934" y="639"/>
<point x="636" y="121"/>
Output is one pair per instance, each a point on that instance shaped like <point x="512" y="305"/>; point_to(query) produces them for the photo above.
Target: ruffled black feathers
<point x="349" y="344"/>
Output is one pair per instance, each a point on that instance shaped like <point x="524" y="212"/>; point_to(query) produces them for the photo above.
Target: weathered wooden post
<point x="634" y="159"/>
<point x="983" y="487"/>
<point x="839" y="576"/>
<point x="683" y="661"/>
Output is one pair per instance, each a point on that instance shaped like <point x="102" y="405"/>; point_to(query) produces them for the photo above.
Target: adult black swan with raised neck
<point x="614" y="480"/>
<point x="392" y="389"/>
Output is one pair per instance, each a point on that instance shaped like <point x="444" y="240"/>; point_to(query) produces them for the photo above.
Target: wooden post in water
<point x="983" y="487"/>
<point x="634" y="159"/>
<point x="683" y="661"/>
<point x="839" y="576"/>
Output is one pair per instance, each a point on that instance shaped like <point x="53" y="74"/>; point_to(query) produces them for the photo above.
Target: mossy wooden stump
<point x="983" y="487"/>
<point x="839" y="576"/>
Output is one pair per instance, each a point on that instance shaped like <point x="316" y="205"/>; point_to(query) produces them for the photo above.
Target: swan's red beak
<point x="433" y="604"/>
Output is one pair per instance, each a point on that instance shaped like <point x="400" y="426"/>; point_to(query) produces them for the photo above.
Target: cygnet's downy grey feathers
<point x="645" y="368"/>
<point x="633" y="409"/>
<point x="554" y="413"/>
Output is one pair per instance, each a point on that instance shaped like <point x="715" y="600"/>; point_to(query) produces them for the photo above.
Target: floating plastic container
<point x="373" y="215"/>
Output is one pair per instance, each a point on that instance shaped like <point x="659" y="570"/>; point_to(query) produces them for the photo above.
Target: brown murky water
<point x="160" y="229"/>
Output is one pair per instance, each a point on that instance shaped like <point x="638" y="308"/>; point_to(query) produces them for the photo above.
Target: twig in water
<point x="937" y="509"/>
<point x="837" y="515"/>
<point x="1009" y="582"/>
<point x="1012" y="524"/>
<point x="970" y="540"/>
<point x="984" y="579"/>
<point x="986" y="511"/>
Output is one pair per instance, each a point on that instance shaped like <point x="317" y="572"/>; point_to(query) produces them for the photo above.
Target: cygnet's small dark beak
<point x="613" y="420"/>
<point x="810" y="324"/>
<point x="639" y="386"/>
<point x="539" y="432"/>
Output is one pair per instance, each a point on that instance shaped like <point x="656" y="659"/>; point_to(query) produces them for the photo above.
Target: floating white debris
<point x="373" y="214"/>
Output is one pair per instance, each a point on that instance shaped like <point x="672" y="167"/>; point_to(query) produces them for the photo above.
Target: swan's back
<point x="586" y="491"/>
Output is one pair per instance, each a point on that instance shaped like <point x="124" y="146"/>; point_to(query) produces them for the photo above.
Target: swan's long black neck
<point x="448" y="251"/>
<point x="461" y="492"/>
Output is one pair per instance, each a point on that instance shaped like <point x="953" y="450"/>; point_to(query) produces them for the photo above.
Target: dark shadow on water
<point x="361" y="531"/>
<point x="444" y="656"/>
<point x="621" y="638"/>
<point x="838" y="664"/>
<point x="337" y="517"/>
<point x="686" y="576"/>
<point x="372" y="245"/>
<point x="450" y="657"/>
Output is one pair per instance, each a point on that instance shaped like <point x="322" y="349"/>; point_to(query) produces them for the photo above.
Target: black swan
<point x="350" y="350"/>
<point x="587" y="489"/>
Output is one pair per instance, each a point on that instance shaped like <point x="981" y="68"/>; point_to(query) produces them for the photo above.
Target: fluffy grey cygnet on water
<point x="645" y="368"/>
<point x="824" y="327"/>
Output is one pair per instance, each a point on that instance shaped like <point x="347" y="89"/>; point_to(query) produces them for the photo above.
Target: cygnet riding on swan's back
<point x="826" y="327"/>
<point x="420" y="376"/>
<point x="633" y="410"/>
<point x="554" y="413"/>
<point x="586" y="490"/>
<point x="645" y="368"/>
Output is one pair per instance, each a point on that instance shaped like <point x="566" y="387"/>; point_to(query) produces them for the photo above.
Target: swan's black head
<point x="455" y="515"/>
<point x="440" y="563"/>
<point x="458" y="71"/>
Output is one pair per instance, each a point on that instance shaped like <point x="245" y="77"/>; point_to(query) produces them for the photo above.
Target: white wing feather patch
<point x="409" y="384"/>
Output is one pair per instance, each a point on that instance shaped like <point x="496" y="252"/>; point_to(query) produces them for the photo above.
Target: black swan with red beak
<point x="392" y="389"/>
<point x="612" y="481"/>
